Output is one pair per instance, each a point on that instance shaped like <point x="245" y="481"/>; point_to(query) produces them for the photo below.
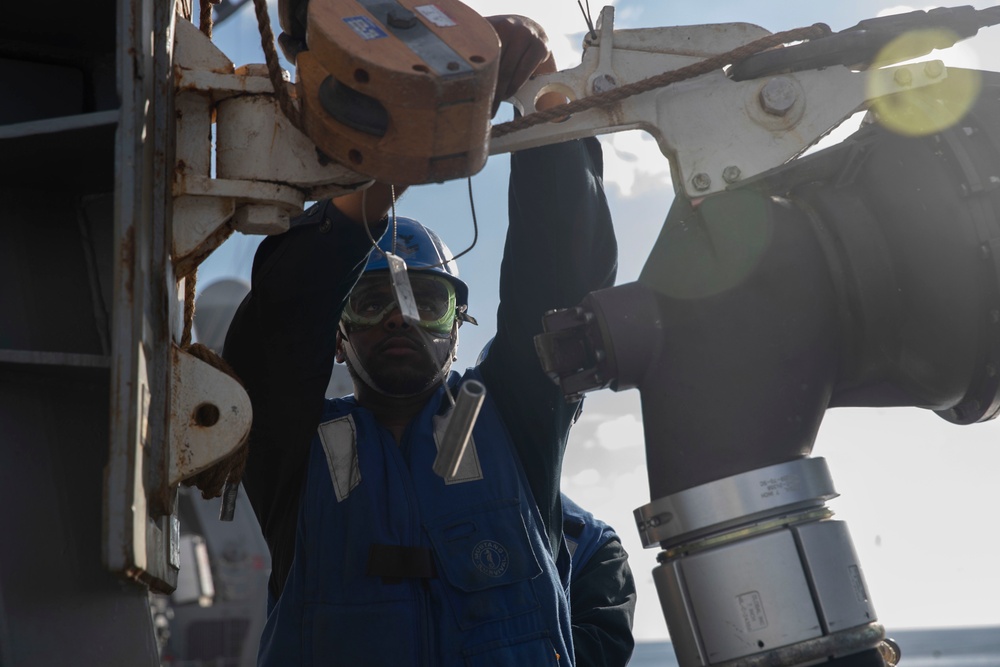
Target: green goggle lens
<point x="372" y="299"/>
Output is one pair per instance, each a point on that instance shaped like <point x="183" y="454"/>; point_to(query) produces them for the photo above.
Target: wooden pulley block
<point x="399" y="90"/>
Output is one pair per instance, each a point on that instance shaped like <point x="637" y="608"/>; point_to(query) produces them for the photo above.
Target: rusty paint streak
<point x="128" y="261"/>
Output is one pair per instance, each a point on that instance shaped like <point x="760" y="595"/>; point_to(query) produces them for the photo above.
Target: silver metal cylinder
<point x="461" y="420"/>
<point x="780" y="584"/>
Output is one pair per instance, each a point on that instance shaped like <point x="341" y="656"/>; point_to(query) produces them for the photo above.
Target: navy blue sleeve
<point x="602" y="606"/>
<point x="560" y="246"/>
<point x="282" y="343"/>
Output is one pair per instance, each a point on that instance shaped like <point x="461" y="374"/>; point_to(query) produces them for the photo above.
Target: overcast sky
<point x="917" y="493"/>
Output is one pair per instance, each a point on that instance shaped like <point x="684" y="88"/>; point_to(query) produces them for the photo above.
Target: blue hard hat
<point x="422" y="250"/>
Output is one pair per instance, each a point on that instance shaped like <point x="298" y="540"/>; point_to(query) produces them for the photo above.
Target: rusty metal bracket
<point x="209" y="418"/>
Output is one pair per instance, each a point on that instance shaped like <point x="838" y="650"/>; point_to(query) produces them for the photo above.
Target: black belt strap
<point x="394" y="563"/>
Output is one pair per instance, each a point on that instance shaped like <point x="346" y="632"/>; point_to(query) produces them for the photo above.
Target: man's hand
<point x="524" y="53"/>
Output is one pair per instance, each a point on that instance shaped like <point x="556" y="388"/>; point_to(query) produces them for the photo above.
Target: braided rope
<point x="699" y="68"/>
<point x="190" y="283"/>
<point x="189" y="264"/>
<point x="285" y="102"/>
<point x="205" y="17"/>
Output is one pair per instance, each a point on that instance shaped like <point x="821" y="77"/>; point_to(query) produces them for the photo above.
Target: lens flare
<point x="712" y="249"/>
<point x="921" y="110"/>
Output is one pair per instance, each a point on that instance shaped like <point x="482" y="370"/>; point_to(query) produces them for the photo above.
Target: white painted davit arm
<point x="716" y="131"/>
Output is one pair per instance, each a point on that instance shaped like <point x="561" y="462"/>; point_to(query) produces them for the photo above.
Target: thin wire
<point x="475" y="224"/>
<point x="364" y="219"/>
<point x="395" y="228"/>
<point x="588" y="18"/>
<point x="475" y="227"/>
<point x="475" y="231"/>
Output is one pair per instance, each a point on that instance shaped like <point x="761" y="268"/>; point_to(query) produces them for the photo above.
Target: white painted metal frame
<point x="715" y="131"/>
<point x="266" y="169"/>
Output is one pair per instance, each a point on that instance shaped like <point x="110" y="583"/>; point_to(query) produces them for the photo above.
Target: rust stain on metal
<point x="179" y="170"/>
<point x="128" y="261"/>
<point x="615" y="113"/>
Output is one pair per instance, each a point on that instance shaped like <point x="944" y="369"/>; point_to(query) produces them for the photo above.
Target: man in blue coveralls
<point x="376" y="559"/>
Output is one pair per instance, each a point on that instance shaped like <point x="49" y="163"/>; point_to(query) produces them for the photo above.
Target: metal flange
<point x="732" y="501"/>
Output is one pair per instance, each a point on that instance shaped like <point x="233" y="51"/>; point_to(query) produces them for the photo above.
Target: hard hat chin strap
<point x="357" y="366"/>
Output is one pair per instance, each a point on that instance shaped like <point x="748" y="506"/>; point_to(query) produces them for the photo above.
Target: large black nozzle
<point x="867" y="274"/>
<point x="864" y="275"/>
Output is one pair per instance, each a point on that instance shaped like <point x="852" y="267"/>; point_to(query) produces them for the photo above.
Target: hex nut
<point x="778" y="96"/>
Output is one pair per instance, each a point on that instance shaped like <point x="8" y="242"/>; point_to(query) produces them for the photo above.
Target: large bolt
<point x="934" y="68"/>
<point x="701" y="181"/>
<point x="731" y="174"/>
<point x="778" y="96"/>
<point x="603" y="83"/>
<point x="903" y="77"/>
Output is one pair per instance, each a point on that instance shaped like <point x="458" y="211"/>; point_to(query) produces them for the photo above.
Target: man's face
<point x="395" y="358"/>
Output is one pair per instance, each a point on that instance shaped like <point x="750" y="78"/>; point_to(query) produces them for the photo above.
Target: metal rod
<point x="460" y="423"/>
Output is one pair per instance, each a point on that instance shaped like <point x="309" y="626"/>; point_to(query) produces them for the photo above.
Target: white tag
<point x="340" y="442"/>
<point x="435" y="16"/>
<point x="401" y="289"/>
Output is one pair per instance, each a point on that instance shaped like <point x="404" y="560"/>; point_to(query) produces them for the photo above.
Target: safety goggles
<point x="372" y="299"/>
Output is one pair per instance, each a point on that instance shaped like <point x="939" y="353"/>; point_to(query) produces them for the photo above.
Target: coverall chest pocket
<point x="488" y="562"/>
